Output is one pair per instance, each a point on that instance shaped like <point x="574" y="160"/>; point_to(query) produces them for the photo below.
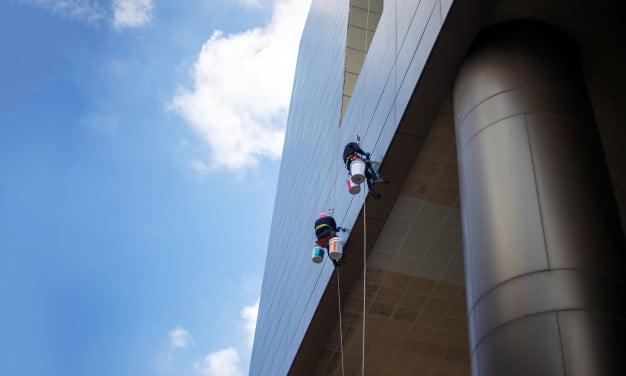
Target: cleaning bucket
<point x="335" y="248"/>
<point x="318" y="254"/>
<point x="357" y="170"/>
<point x="353" y="188"/>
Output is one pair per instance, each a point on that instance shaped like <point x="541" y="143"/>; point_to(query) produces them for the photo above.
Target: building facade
<point x="498" y="247"/>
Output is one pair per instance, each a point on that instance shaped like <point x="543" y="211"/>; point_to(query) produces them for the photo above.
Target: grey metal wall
<point x="312" y="176"/>
<point x="544" y="251"/>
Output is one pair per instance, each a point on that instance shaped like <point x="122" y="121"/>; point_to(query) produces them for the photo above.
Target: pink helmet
<point x="322" y="215"/>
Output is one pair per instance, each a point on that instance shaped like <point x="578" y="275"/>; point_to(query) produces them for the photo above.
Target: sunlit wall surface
<point x="312" y="176"/>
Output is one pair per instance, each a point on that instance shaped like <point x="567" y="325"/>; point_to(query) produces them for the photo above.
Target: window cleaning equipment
<point x="357" y="171"/>
<point x="335" y="248"/>
<point x="318" y="254"/>
<point x="353" y="188"/>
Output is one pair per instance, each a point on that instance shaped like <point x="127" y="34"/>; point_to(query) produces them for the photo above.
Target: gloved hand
<point x="367" y="154"/>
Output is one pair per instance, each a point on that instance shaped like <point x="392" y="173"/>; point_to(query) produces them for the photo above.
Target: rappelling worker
<point x="326" y="229"/>
<point x="353" y="151"/>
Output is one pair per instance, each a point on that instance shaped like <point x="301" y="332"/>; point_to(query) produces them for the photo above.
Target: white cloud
<point x="251" y="3"/>
<point x="125" y="13"/>
<point x="241" y="89"/>
<point x="131" y="13"/>
<point x="221" y="363"/>
<point x="180" y="338"/>
<point x="88" y="11"/>
<point x="226" y="362"/>
<point x="249" y="315"/>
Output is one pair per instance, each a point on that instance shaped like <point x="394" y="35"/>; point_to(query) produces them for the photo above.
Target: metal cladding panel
<point x="584" y="331"/>
<point x="519" y="344"/>
<point x="413" y="30"/>
<point x="542" y="238"/>
<point x="312" y="175"/>
<point x="423" y="32"/>
<point x="292" y="284"/>
<point x="510" y="244"/>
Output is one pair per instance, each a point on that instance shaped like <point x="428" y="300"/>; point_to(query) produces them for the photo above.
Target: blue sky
<point x="139" y="153"/>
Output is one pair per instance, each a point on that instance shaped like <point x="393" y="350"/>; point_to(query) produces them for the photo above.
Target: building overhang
<point x="461" y="22"/>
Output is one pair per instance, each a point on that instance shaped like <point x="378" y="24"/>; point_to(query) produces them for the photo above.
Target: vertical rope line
<point x="364" y="284"/>
<point x="340" y="324"/>
<point x="334" y="177"/>
<point x="395" y="74"/>
<point x="367" y="26"/>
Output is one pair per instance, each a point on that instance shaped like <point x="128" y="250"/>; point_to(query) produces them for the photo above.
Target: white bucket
<point x="357" y="170"/>
<point x="353" y="188"/>
<point x="335" y="248"/>
<point x="318" y="254"/>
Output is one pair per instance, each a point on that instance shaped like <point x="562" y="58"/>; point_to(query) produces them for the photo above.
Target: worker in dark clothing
<point x="325" y="229"/>
<point x="353" y="151"/>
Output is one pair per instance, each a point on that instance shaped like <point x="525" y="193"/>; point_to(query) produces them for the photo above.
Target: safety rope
<point x="364" y="284"/>
<point x="367" y="26"/>
<point x="340" y="324"/>
<point x="335" y="176"/>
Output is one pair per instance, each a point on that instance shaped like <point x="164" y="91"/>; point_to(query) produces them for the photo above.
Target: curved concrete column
<point x="544" y="249"/>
